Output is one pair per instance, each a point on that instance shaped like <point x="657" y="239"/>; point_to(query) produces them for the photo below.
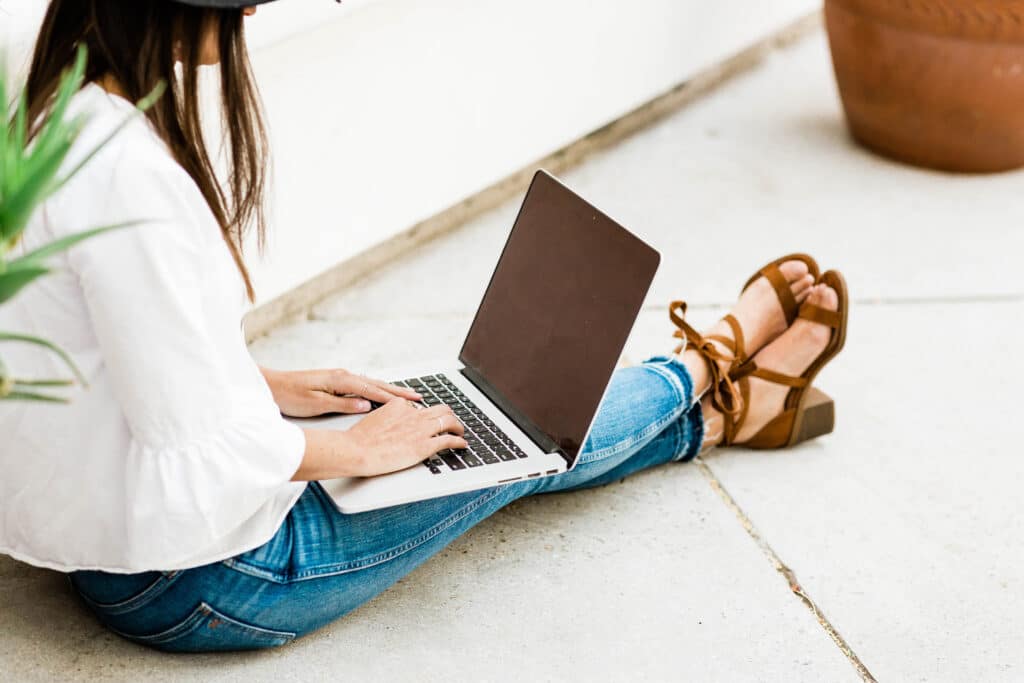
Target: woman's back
<point x="175" y="453"/>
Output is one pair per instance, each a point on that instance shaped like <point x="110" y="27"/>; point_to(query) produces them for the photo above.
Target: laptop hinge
<point x="543" y="441"/>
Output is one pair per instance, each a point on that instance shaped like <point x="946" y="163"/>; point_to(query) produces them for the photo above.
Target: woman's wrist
<point x="330" y="454"/>
<point x="274" y="380"/>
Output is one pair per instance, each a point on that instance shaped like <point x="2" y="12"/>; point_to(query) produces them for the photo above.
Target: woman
<point x="172" y="491"/>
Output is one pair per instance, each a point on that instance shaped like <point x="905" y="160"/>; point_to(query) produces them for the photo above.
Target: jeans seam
<point x="195" y="620"/>
<point x="696" y="421"/>
<point x="147" y="595"/>
<point x="678" y="434"/>
<point x="366" y="562"/>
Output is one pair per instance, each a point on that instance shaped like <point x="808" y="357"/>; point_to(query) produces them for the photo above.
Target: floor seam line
<point x="649" y="308"/>
<point x="895" y="301"/>
<point x="785" y="571"/>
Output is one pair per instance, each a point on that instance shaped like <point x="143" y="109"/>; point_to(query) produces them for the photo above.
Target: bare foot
<point x="760" y="316"/>
<point x="791" y="354"/>
<point x="758" y="310"/>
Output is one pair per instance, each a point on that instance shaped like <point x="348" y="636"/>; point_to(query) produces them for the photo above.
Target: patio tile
<point x="905" y="524"/>
<point x="651" y="579"/>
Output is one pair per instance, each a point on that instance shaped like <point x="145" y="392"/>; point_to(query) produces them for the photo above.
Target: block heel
<point x="817" y="417"/>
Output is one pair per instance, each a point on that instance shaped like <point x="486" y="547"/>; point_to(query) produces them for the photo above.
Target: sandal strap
<point x="752" y="370"/>
<point x="725" y="396"/>
<point x="736" y="345"/>
<point x="739" y="343"/>
<point x="790" y="308"/>
<point x="821" y="315"/>
<point x="724" y="341"/>
<point x="731" y="424"/>
<point x="741" y="376"/>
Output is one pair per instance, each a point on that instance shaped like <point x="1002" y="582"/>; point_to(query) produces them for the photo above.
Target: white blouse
<point x="175" y="455"/>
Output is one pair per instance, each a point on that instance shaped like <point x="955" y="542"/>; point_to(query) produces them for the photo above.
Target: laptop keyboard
<point x="488" y="445"/>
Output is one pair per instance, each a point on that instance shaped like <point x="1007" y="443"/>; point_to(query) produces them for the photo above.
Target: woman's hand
<point x="319" y="392"/>
<point x="400" y="435"/>
<point x="392" y="438"/>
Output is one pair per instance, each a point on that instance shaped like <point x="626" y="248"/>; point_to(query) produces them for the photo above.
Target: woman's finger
<point x="435" y="412"/>
<point x="373" y="392"/>
<point x="371" y="389"/>
<point x="400" y="406"/>
<point x="347" y="405"/>
<point x="395" y="390"/>
<point x="446" y="441"/>
<point x="442" y="421"/>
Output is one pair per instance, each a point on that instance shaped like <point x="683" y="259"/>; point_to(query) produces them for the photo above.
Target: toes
<point x="802" y="287"/>
<point x="793" y="270"/>
<point x="816" y="334"/>
<point x="815" y="295"/>
<point x="824" y="297"/>
<point x="830" y="298"/>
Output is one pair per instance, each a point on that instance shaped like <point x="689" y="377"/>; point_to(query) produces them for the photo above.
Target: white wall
<point x="405" y="107"/>
<point x="384" y="112"/>
<point x="18" y="22"/>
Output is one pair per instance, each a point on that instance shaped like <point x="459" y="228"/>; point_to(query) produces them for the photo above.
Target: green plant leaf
<point x="71" y="82"/>
<point x="24" y="383"/>
<point x="64" y="243"/>
<point x="4" y="131"/>
<point x="18" y="203"/>
<point x="14" y="279"/>
<point x="153" y="97"/>
<point x="21" y="122"/>
<point x="32" y="155"/>
<point x="32" y="396"/>
<point x="28" y="339"/>
<point x="28" y="170"/>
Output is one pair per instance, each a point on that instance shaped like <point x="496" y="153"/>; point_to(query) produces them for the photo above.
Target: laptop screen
<point x="556" y="315"/>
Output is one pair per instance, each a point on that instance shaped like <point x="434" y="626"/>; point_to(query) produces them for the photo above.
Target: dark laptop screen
<point x="557" y="313"/>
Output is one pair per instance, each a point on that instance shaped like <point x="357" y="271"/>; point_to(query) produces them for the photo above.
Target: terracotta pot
<point x="937" y="83"/>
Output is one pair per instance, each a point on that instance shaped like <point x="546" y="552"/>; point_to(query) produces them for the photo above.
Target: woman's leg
<point x="323" y="564"/>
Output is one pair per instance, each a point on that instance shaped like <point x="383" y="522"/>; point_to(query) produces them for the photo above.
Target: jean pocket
<point x="207" y="630"/>
<point x="136" y="598"/>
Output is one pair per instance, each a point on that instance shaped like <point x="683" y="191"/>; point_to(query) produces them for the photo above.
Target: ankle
<point x="714" y="426"/>
<point x="698" y="369"/>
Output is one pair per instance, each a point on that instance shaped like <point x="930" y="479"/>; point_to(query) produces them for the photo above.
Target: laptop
<point x="537" y="360"/>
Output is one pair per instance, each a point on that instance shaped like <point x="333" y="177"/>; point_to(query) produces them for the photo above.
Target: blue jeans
<point x="322" y="564"/>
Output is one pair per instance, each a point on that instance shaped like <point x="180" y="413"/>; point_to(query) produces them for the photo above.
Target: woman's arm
<point x="310" y="393"/>
<point x="392" y="438"/>
<point x="207" y="442"/>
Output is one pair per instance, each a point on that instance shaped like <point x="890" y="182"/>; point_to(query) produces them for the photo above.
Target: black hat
<point x="225" y="4"/>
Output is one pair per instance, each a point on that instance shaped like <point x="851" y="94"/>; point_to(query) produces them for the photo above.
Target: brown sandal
<point x="771" y="272"/>
<point x="726" y="397"/>
<point x="807" y="412"/>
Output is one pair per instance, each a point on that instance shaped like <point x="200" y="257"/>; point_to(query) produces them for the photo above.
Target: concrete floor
<point x="903" y="528"/>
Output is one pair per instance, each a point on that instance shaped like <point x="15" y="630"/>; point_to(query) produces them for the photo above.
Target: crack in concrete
<point x="788" y="574"/>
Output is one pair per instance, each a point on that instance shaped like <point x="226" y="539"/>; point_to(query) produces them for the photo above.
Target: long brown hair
<point x="137" y="43"/>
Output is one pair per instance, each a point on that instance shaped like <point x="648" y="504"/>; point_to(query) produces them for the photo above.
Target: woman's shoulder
<point x="116" y="142"/>
<point x="128" y="171"/>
